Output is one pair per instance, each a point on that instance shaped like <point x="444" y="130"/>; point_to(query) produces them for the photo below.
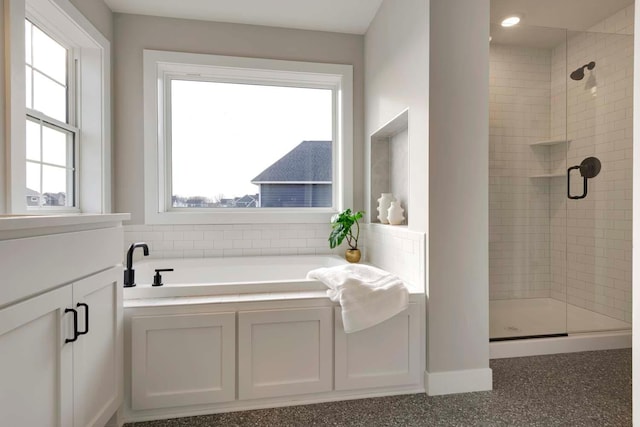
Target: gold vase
<point x="353" y="255"/>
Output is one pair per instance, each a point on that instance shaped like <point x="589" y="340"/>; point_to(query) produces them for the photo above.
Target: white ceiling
<point x="354" y="16"/>
<point x="542" y="18"/>
<point x="571" y="14"/>
<point x="343" y="16"/>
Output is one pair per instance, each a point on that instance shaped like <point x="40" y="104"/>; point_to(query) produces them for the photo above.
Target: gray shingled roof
<point x="310" y="161"/>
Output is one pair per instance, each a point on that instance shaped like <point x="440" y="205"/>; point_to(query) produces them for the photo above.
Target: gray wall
<point x="458" y="299"/>
<point x="433" y="58"/>
<point x="98" y="13"/>
<point x="133" y="33"/>
<point x="397" y="78"/>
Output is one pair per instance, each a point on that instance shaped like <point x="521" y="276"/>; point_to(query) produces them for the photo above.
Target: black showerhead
<point x="579" y="73"/>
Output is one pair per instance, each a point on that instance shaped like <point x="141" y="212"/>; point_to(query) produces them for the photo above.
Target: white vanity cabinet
<point x="61" y="330"/>
<point x="53" y="374"/>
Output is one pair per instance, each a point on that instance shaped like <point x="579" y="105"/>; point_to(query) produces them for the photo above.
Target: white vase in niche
<point x="396" y="213"/>
<point x="384" y="202"/>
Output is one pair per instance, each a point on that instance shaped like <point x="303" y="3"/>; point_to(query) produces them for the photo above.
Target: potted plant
<point x="341" y="225"/>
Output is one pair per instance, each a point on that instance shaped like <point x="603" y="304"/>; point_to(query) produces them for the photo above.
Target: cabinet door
<point x="284" y="352"/>
<point x="387" y="354"/>
<point x="97" y="355"/>
<point x="35" y="370"/>
<point x="179" y="360"/>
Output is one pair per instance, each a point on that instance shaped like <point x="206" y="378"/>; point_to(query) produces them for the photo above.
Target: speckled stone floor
<point x="577" y="389"/>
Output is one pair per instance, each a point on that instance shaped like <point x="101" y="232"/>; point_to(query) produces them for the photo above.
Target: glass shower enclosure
<point x="560" y="173"/>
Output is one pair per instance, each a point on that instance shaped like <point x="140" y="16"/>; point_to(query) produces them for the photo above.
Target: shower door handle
<point x="589" y="168"/>
<point x="584" y="184"/>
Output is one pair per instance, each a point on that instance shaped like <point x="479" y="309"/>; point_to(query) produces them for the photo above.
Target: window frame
<point x="61" y="20"/>
<point x="161" y="67"/>
<point x="48" y="121"/>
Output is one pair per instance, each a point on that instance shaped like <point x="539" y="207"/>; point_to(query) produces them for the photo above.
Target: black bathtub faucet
<point x="129" y="273"/>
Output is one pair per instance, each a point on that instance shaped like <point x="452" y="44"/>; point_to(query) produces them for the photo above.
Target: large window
<point x="250" y="146"/>
<point x="50" y="134"/>
<point x="245" y="140"/>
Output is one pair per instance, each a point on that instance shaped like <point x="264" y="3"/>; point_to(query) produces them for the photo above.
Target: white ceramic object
<point x="384" y="203"/>
<point x="396" y="213"/>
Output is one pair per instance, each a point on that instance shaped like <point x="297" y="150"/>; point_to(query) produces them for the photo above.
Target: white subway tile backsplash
<point x="178" y="241"/>
<point x="398" y="250"/>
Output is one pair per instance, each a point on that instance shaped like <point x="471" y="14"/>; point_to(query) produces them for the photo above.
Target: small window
<point x="50" y="134"/>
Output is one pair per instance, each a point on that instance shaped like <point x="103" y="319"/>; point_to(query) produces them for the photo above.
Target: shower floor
<point x="545" y="316"/>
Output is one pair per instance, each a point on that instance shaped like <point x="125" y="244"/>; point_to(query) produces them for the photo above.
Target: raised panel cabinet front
<point x="284" y="352"/>
<point x="383" y="355"/>
<point x="179" y="360"/>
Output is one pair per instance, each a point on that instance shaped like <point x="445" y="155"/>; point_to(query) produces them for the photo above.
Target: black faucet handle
<point x="157" y="279"/>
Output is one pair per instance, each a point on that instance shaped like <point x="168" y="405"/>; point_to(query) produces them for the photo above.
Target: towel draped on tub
<point x="368" y="295"/>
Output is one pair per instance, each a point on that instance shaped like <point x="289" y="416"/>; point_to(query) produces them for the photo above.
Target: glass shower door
<point x="599" y="176"/>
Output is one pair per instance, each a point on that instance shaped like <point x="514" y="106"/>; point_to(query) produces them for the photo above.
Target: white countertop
<point x="21" y="222"/>
<point x="25" y="226"/>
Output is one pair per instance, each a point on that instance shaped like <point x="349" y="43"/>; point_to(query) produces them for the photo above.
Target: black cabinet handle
<point x="86" y="318"/>
<point x="75" y="325"/>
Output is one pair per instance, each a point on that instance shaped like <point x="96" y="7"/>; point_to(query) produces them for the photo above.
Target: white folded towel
<point x="368" y="295"/>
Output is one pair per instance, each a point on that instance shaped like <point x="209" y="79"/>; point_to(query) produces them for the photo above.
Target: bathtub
<point x="221" y="276"/>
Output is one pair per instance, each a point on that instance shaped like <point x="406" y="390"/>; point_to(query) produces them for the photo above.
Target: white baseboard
<point x="571" y="344"/>
<point x="450" y="382"/>
<point x="130" y="416"/>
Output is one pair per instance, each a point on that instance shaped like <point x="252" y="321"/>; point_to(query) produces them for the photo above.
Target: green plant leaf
<point x="341" y="224"/>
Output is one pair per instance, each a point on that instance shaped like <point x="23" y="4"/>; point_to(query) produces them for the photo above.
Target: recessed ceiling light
<point x="510" y="21"/>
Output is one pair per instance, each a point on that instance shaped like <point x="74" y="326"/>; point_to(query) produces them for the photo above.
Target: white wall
<point x="458" y="283"/>
<point x="134" y="33"/>
<point x="519" y="90"/>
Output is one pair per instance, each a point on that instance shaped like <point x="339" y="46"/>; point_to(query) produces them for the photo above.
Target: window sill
<point x="241" y="216"/>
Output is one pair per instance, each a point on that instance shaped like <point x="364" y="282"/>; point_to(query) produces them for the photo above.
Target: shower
<point x="579" y="73"/>
<point x="559" y="178"/>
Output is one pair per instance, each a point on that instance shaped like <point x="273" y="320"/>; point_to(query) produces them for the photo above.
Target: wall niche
<point x="389" y="164"/>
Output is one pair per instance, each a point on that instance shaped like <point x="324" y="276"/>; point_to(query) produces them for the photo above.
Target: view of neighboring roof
<point x="33" y="193"/>
<point x="310" y="161"/>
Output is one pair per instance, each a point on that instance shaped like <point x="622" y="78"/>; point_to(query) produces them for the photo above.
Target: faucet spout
<point x="129" y="273"/>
